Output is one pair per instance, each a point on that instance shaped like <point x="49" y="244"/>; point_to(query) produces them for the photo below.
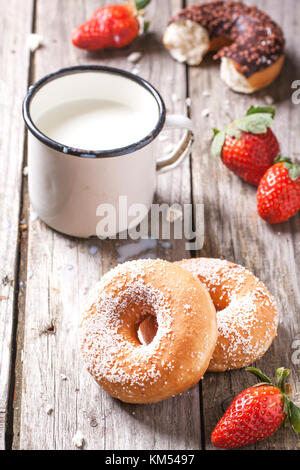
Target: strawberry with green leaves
<point x="257" y="413"/>
<point x="248" y="146"/>
<point x="278" y="194"/>
<point x="111" y="26"/>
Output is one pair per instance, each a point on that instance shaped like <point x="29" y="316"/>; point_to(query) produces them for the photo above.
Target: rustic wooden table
<point x="45" y="276"/>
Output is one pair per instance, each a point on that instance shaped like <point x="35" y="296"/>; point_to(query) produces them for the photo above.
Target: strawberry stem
<point x="281" y="376"/>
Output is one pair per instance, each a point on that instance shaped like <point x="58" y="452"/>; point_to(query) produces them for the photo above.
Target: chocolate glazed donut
<point x="250" y="44"/>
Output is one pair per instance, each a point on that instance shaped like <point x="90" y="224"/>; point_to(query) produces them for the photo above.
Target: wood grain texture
<point x="61" y="270"/>
<point x="15" y="25"/>
<point x="233" y="229"/>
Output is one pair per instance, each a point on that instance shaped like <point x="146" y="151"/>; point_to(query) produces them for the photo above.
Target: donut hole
<point x="221" y="299"/>
<point x="147" y="330"/>
<point x="221" y="304"/>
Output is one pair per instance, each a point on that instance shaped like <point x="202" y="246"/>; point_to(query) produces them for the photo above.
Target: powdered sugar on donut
<point x="105" y="348"/>
<point x="247" y="315"/>
<point x="239" y="329"/>
<point x="110" y="343"/>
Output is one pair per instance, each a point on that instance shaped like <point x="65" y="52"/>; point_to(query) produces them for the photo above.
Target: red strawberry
<point x="257" y="412"/>
<point x="247" y="146"/>
<point x="278" y="194"/>
<point x="112" y="26"/>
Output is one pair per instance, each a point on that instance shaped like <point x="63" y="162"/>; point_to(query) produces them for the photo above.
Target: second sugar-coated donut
<point x="148" y="331"/>
<point x="247" y="316"/>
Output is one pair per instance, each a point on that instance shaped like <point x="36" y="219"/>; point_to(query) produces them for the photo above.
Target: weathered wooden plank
<point x="233" y="229"/>
<point x="61" y="270"/>
<point x="15" y="25"/>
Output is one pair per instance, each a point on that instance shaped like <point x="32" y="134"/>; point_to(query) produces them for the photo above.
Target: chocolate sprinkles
<point x="257" y="41"/>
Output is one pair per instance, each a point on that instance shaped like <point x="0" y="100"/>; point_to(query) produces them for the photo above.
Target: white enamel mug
<point x="68" y="184"/>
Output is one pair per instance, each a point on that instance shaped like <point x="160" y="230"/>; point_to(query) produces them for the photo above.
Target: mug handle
<point x="175" y="158"/>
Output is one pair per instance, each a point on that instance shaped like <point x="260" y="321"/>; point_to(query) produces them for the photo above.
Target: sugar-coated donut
<point x="250" y="44"/>
<point x="134" y="364"/>
<point x="247" y="316"/>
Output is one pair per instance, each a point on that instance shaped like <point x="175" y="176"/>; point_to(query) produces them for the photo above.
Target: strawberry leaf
<point x="293" y="168"/>
<point x="140" y="4"/>
<point x="233" y="131"/>
<point x="286" y="409"/>
<point x="294" y="172"/>
<point x="283" y="159"/>
<point x="261" y="110"/>
<point x="255" y="123"/>
<point x="216" y="131"/>
<point x="218" y="143"/>
<point x="258" y="373"/>
<point x="147" y="25"/>
<point x="294" y="415"/>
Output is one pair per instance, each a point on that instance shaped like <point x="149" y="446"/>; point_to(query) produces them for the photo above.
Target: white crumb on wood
<point x="269" y="99"/>
<point x="134" y="57"/>
<point x="205" y="112"/>
<point x="78" y="440"/>
<point x="49" y="410"/>
<point x="188" y="102"/>
<point x="34" y="41"/>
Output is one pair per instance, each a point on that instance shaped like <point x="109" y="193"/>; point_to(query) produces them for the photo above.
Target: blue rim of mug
<point x="67" y="150"/>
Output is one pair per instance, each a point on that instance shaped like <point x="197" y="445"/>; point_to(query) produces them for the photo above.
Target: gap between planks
<point x="12" y="428"/>
<point x="233" y="229"/>
<point x="6" y="412"/>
